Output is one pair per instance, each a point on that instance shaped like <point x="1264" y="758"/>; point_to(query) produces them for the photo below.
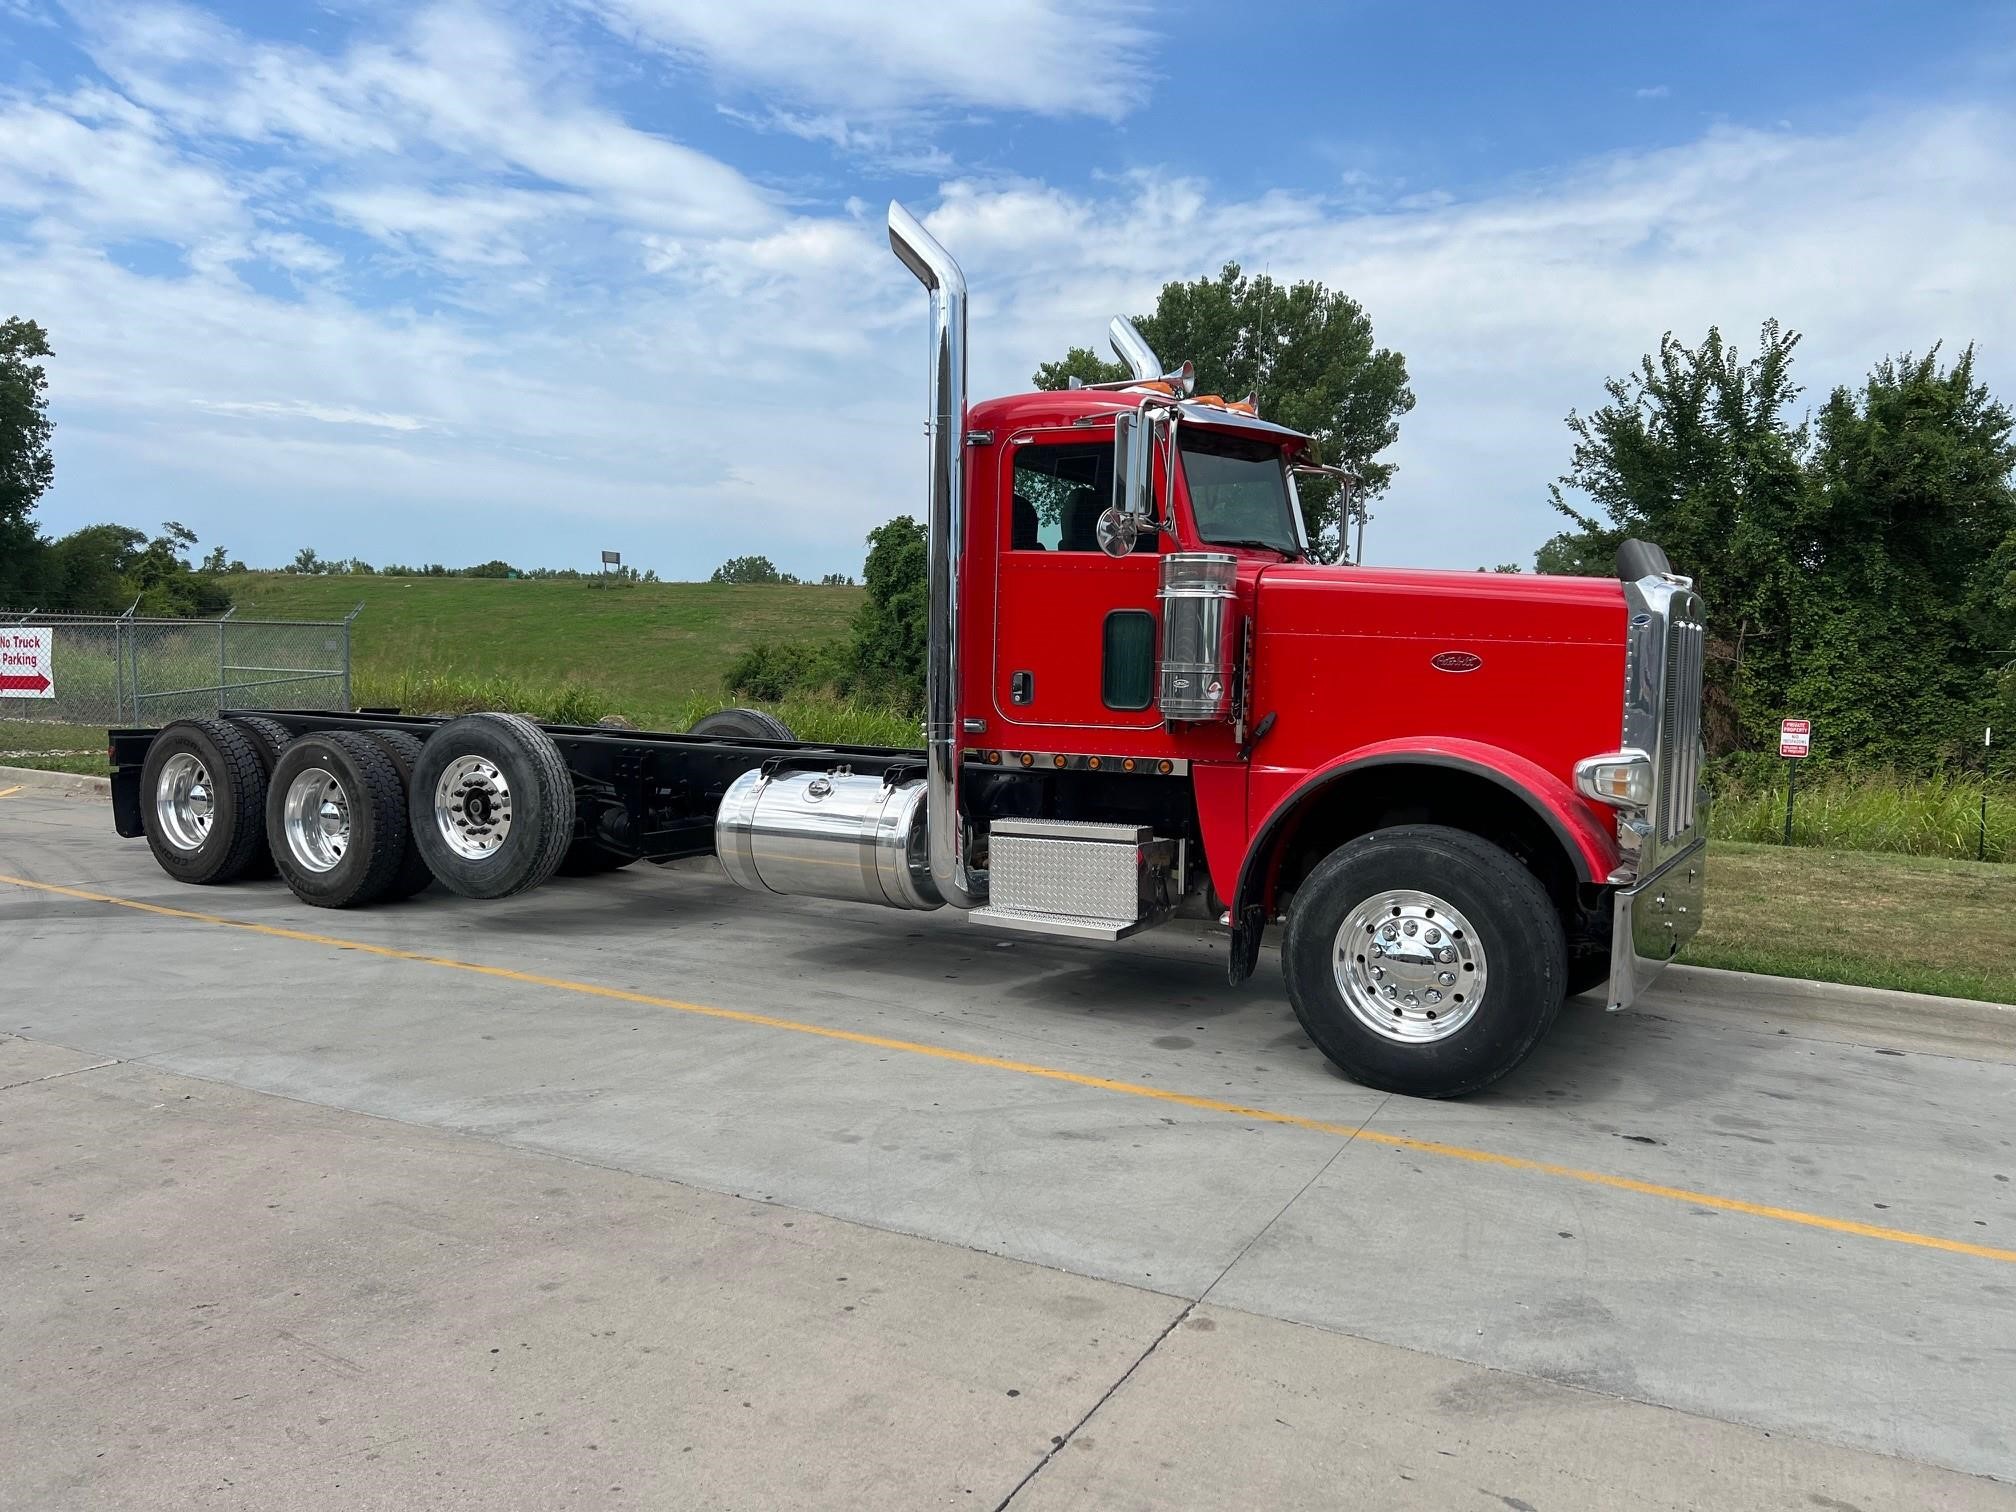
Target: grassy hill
<point x="653" y="652"/>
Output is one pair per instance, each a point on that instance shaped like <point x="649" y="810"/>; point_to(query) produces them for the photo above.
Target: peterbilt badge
<point x="1456" y="661"/>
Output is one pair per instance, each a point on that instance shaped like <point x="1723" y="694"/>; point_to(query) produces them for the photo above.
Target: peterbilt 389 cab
<point x="1459" y="797"/>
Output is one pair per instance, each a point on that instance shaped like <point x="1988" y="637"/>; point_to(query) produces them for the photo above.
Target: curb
<point x="1952" y="1025"/>
<point x="72" y="784"/>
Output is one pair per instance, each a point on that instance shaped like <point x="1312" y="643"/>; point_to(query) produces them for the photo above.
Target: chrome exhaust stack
<point x="945" y="536"/>
<point x="1132" y="348"/>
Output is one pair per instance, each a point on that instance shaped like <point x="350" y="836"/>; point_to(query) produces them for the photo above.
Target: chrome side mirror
<point x="1131" y="509"/>
<point x="1133" y="447"/>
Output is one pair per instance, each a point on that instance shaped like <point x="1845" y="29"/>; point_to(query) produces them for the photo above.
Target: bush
<point x="770" y="671"/>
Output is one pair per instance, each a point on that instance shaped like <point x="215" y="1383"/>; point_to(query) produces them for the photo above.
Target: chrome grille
<point x="1679" y="746"/>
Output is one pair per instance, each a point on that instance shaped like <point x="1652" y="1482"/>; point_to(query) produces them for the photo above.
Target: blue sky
<point x="448" y="281"/>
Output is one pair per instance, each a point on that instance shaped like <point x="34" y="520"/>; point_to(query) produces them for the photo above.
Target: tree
<point x="214" y="562"/>
<point x="1305" y="351"/>
<point x="491" y="569"/>
<point x="893" y="623"/>
<point x="747" y="569"/>
<point x="836" y="580"/>
<point x="1912" y="530"/>
<point x="1849" y="567"/>
<point x="27" y="465"/>
<point x="308" y="562"/>
<point x="164" y="582"/>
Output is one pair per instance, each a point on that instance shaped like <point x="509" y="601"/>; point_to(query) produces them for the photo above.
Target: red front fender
<point x="1587" y="841"/>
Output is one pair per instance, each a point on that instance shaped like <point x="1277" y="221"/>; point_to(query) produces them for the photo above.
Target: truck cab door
<point x="1075" y="629"/>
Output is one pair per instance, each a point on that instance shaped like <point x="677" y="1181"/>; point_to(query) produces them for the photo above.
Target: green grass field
<point x="1914" y="923"/>
<point x="651" y="652"/>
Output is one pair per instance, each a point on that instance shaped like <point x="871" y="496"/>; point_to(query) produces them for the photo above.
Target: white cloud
<point x="1051" y="57"/>
<point x="1651" y="92"/>
<point x="594" y="328"/>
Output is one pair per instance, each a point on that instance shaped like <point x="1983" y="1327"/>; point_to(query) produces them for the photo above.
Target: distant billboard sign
<point x="612" y="559"/>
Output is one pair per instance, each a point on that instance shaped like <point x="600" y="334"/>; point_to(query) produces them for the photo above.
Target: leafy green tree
<point x="1914" y="520"/>
<point x="308" y="563"/>
<point x="167" y="585"/>
<point x="214" y="561"/>
<point x="491" y="569"/>
<point x="1698" y="451"/>
<point x="893" y="623"/>
<point x="836" y="580"/>
<point x="1856" y="570"/>
<point x="90" y="571"/>
<point x="27" y="465"/>
<point x="1305" y="351"/>
<point x="747" y="569"/>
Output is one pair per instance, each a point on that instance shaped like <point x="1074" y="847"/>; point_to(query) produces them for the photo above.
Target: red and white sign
<point x="24" y="661"/>
<point x="1795" y="737"/>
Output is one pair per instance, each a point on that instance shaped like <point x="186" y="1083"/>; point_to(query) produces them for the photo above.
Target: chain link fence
<point x="103" y="670"/>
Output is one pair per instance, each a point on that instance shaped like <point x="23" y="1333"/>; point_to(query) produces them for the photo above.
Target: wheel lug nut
<point x="1412" y="1001"/>
<point x="1433" y="937"/>
<point x="1389" y="933"/>
<point x="1391" y="990"/>
<point x="1378" y="949"/>
<point x="1378" y="973"/>
<point x="1431" y="997"/>
<point x="1446" y="978"/>
<point x="1445" y="955"/>
<point x="1410" y="927"/>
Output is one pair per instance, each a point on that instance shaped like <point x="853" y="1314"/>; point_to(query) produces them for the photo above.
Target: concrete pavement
<point x="1536" y="1310"/>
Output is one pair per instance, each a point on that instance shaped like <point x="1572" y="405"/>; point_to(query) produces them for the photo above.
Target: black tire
<point x="1517" y="937"/>
<point x="540" y="813"/>
<point x="269" y="735"/>
<point x="227" y="842"/>
<point x="374" y="802"/>
<point x="269" y="738"/>
<point x="751" y="724"/>
<point x="414" y="876"/>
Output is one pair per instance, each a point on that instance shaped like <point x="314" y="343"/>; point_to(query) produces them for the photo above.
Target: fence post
<point x="1981" y="850"/>
<point x="221" y="680"/>
<point x="1791" y="792"/>
<point x="347" y="619"/>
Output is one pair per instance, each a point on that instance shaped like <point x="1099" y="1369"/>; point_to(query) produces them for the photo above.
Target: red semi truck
<point x="1462" y="796"/>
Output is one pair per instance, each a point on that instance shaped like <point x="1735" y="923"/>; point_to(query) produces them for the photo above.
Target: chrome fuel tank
<point x="827" y="835"/>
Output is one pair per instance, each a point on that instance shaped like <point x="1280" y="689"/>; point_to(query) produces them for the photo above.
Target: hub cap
<point x="1409" y="966"/>
<point x="316" y="817"/>
<point x="183" y="802"/>
<point x="472" y="807"/>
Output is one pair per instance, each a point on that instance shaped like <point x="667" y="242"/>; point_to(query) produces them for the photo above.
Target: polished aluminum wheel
<point x="1410" y="967"/>
<point x="472" y="807"/>
<point x="185" y="805"/>
<point x="315" y="817"/>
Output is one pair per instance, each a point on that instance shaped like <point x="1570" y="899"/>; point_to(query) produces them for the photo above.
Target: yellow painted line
<point x="1073" y="1078"/>
<point x="10" y="792"/>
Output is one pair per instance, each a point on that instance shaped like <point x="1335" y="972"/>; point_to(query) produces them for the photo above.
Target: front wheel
<point x="1424" y="960"/>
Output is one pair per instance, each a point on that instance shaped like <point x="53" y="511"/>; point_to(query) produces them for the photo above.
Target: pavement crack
<point x="1058" y="1445"/>
<point x="54" y="1075"/>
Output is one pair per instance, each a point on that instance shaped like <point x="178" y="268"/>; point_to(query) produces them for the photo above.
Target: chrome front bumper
<point x="1655" y="918"/>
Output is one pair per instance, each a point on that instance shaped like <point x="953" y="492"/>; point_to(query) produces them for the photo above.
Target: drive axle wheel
<point x="1424" y="960"/>
<point x="493" y="805"/>
<point x="414" y="876"/>
<point x="203" y="798"/>
<point x="336" y="819"/>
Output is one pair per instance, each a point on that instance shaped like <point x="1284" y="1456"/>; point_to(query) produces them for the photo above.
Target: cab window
<point x="1060" y="492"/>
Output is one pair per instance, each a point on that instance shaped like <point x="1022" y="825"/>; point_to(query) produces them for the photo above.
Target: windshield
<point x="1238" y="491"/>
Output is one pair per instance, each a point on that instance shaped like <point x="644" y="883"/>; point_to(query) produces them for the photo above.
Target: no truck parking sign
<point x="24" y="661"/>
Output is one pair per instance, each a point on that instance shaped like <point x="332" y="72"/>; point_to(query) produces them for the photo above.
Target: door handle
<point x="1022" y="687"/>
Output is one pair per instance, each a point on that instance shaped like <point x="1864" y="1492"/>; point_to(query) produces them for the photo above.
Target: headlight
<point x="1622" y="779"/>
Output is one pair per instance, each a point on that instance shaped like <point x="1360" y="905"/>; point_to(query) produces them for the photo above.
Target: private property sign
<point x="24" y="661"/>
<point x="1795" y="737"/>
